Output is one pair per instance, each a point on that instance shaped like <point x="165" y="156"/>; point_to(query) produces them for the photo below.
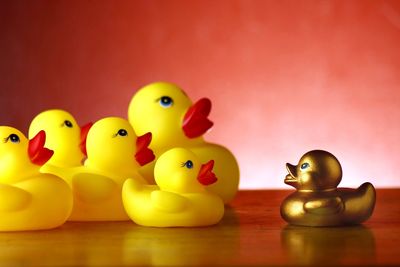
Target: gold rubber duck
<point x="318" y="201"/>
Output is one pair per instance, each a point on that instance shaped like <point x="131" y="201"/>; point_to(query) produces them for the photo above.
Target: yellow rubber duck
<point x="179" y="198"/>
<point x="166" y="111"/>
<point x="318" y="201"/>
<point x="29" y="200"/>
<point x="114" y="153"/>
<point x="64" y="136"/>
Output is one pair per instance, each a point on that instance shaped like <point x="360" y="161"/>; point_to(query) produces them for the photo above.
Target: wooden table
<point x="251" y="234"/>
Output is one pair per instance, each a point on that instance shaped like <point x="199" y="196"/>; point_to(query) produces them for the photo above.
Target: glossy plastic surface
<point x="179" y="198"/>
<point x="29" y="200"/>
<point x="96" y="186"/>
<point x="166" y="111"/>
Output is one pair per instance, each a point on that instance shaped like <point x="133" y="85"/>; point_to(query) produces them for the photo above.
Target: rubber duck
<point x="179" y="199"/>
<point x="64" y="137"/>
<point x="114" y="153"/>
<point x="29" y="200"/>
<point x="318" y="201"/>
<point x="167" y="112"/>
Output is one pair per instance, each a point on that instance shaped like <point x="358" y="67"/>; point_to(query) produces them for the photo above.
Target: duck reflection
<point x="328" y="245"/>
<point x="74" y="243"/>
<point x="121" y="244"/>
<point x="183" y="246"/>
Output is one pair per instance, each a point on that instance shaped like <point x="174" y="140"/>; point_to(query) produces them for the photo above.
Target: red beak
<point x="206" y="176"/>
<point x="195" y="122"/>
<point x="144" y="154"/>
<point x="84" y="132"/>
<point x="38" y="154"/>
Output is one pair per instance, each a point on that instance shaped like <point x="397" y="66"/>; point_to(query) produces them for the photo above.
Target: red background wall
<point x="285" y="77"/>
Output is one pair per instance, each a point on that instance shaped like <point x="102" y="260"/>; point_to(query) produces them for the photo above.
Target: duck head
<point x="179" y="170"/>
<point x="166" y="111"/>
<point x="317" y="170"/>
<point x="113" y="146"/>
<point x="64" y="136"/>
<point x="20" y="157"/>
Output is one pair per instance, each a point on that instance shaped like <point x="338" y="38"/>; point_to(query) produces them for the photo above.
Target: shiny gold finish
<point x="318" y="201"/>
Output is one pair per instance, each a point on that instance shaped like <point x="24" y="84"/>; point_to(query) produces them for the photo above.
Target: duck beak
<point x="38" y="154"/>
<point x="84" y="132"/>
<point x="206" y="175"/>
<point x="291" y="178"/>
<point x="144" y="154"/>
<point x="195" y="121"/>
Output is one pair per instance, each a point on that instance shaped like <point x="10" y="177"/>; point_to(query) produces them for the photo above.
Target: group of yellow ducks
<point x="154" y="168"/>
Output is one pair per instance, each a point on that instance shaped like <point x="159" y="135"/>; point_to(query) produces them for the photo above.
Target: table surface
<point x="251" y="233"/>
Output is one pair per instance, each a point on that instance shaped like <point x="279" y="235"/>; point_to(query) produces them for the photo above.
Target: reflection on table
<point x="121" y="243"/>
<point x="328" y="245"/>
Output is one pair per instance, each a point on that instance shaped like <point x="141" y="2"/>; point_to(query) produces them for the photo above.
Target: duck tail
<point x="369" y="192"/>
<point x="367" y="189"/>
<point x="366" y="201"/>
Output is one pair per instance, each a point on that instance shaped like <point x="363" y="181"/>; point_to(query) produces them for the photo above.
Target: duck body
<point x="29" y="200"/>
<point x="178" y="199"/>
<point x="225" y="166"/>
<point x="40" y="202"/>
<point x="318" y="201"/>
<point x="97" y="185"/>
<point x="96" y="194"/>
<point x="166" y="111"/>
<point x="343" y="206"/>
<point x="147" y="205"/>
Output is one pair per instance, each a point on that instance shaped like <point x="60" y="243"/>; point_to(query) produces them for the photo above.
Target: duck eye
<point x="122" y="132"/>
<point x="304" y="166"/>
<point x="188" y="164"/>
<point x="166" y="101"/>
<point x="13" y="138"/>
<point x="68" y="123"/>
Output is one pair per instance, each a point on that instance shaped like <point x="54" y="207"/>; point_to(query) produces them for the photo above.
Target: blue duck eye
<point x="13" y="138"/>
<point x="166" y="101"/>
<point x="68" y="123"/>
<point x="122" y="132"/>
<point x="304" y="166"/>
<point x="188" y="164"/>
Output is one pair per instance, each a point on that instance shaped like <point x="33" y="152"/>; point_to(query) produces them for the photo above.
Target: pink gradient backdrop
<point x="285" y="77"/>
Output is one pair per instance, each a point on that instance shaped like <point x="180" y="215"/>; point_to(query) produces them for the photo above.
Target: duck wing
<point x="324" y="206"/>
<point x="13" y="198"/>
<point x="168" y="201"/>
<point x="92" y="187"/>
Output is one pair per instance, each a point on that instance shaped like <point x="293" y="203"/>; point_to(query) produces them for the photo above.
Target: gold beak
<point x="291" y="178"/>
